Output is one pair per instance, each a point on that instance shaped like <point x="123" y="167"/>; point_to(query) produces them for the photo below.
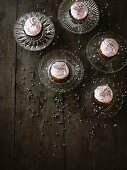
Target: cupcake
<point x="79" y="12"/>
<point x="109" y="47"/>
<point x="103" y="95"/>
<point x="33" y="26"/>
<point x="59" y="71"/>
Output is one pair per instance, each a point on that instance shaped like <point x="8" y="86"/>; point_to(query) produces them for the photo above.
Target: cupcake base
<point x="60" y="80"/>
<point x="35" y="36"/>
<point x="104" y="56"/>
<point x="101" y="103"/>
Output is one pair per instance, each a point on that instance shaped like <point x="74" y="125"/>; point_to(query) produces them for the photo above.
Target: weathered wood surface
<point x="42" y="130"/>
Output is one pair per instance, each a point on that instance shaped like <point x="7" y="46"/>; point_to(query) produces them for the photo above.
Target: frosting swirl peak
<point x="109" y="47"/>
<point x="79" y="10"/>
<point x="32" y="26"/>
<point x="103" y="94"/>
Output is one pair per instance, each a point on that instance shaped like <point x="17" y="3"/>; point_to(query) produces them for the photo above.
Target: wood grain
<point x="44" y="130"/>
<point x="7" y="83"/>
<point x="39" y="138"/>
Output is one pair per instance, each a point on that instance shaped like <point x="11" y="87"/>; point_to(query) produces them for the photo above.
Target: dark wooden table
<point x="42" y="130"/>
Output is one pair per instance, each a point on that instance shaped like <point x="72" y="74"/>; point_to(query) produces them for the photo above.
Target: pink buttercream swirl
<point x="79" y="10"/>
<point x="109" y="47"/>
<point x="32" y="26"/>
<point x="59" y="70"/>
<point x="79" y="7"/>
<point x="103" y="94"/>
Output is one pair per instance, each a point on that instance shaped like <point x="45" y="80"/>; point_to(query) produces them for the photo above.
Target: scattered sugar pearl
<point x="115" y="125"/>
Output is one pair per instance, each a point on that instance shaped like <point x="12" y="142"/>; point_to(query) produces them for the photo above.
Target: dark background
<point x="41" y="130"/>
